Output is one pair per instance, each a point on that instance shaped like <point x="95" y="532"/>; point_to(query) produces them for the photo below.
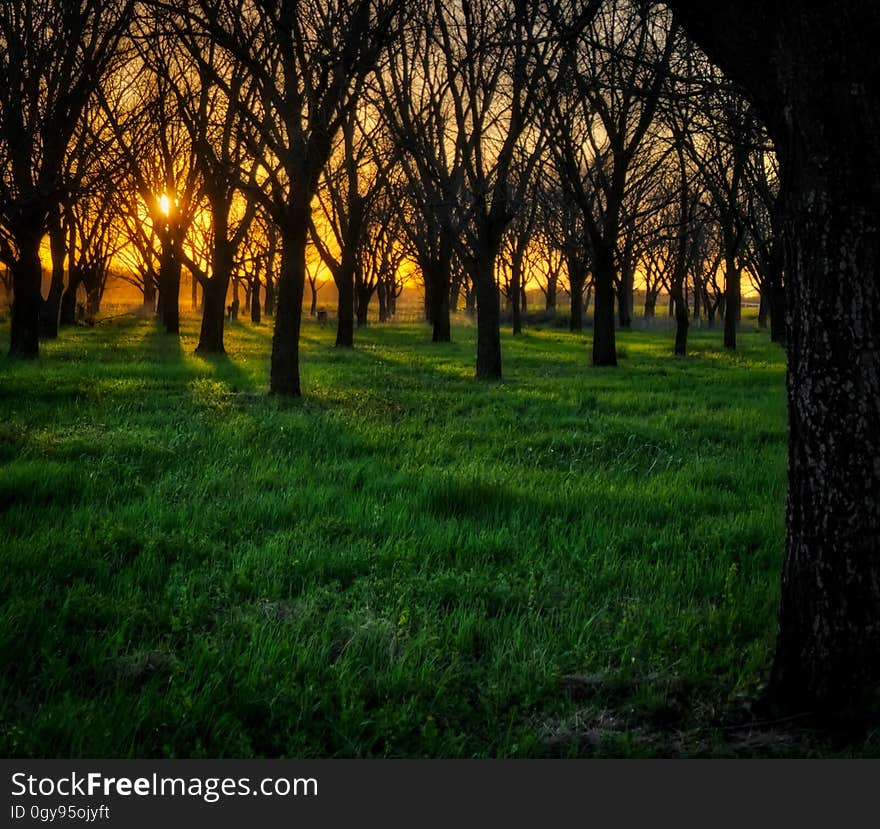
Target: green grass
<point x="402" y="563"/>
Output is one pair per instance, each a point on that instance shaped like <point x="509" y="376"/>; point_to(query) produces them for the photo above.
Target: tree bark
<point x="488" y="327"/>
<point x="169" y="290"/>
<point x="813" y="71"/>
<point x="362" y="310"/>
<point x="67" y="315"/>
<point x="625" y="298"/>
<point x="604" y="345"/>
<point x="345" y="308"/>
<point x="550" y="296"/>
<point x="284" y="371"/>
<point x="439" y="288"/>
<point x="256" y="308"/>
<point x="516" y="297"/>
<point x="50" y="307"/>
<point x="576" y="280"/>
<point x="213" y="316"/>
<point x="27" y="276"/>
<point x="732" y="302"/>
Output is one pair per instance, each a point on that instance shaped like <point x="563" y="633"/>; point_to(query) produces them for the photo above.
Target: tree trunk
<point x="213" y="316"/>
<point x="777" y="293"/>
<point x="516" y="297"/>
<point x="698" y="298"/>
<point x="454" y="291"/>
<point x="256" y="308"/>
<point x="682" y="322"/>
<point x="362" y="309"/>
<point x="169" y="290"/>
<point x="817" y="81"/>
<point x="50" y="308"/>
<point x="439" y="289"/>
<point x="382" y="297"/>
<point x="576" y="279"/>
<point x="604" y="345"/>
<point x="313" y="305"/>
<point x="731" y="303"/>
<point x="345" y="308"/>
<point x="550" y="298"/>
<point x="150" y="293"/>
<point x="763" y="308"/>
<point x="828" y="649"/>
<point x="488" y="324"/>
<point x="67" y="314"/>
<point x="269" y="303"/>
<point x="27" y="276"/>
<point x="284" y="371"/>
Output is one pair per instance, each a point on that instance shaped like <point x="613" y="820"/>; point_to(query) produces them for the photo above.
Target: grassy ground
<point x="403" y="563"/>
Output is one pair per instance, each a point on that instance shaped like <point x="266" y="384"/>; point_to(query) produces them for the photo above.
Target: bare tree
<point x="355" y="176"/>
<point x="305" y="62"/>
<point x="53" y="53"/>
<point x="605" y="102"/>
<point x="812" y="72"/>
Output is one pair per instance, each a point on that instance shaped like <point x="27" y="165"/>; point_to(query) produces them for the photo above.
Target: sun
<point x="165" y="204"/>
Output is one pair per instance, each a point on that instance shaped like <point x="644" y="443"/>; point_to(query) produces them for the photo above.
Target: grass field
<point x="403" y="563"/>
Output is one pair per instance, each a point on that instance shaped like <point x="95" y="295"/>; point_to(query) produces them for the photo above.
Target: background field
<point x="404" y="563"/>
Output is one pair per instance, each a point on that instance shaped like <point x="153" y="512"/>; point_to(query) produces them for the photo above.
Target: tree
<point x="154" y="146"/>
<point x="353" y="179"/>
<point x="209" y="113"/>
<point x="811" y="70"/>
<point x="305" y="60"/>
<point x="53" y="54"/>
<point x="604" y="105"/>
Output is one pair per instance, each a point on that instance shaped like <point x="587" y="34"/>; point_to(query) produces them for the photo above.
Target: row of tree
<point x="481" y="146"/>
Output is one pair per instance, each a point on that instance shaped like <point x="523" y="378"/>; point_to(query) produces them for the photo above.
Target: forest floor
<point x="402" y="563"/>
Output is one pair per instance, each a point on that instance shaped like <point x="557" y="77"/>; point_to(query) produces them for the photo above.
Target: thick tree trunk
<point x="604" y="344"/>
<point x="828" y="650"/>
<point x="650" y="305"/>
<point x="488" y="305"/>
<point x="284" y="371"/>
<point x="27" y="276"/>
<point x="213" y="316"/>
<point x="763" y="308"/>
<point x="776" y="298"/>
<point x="488" y="326"/>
